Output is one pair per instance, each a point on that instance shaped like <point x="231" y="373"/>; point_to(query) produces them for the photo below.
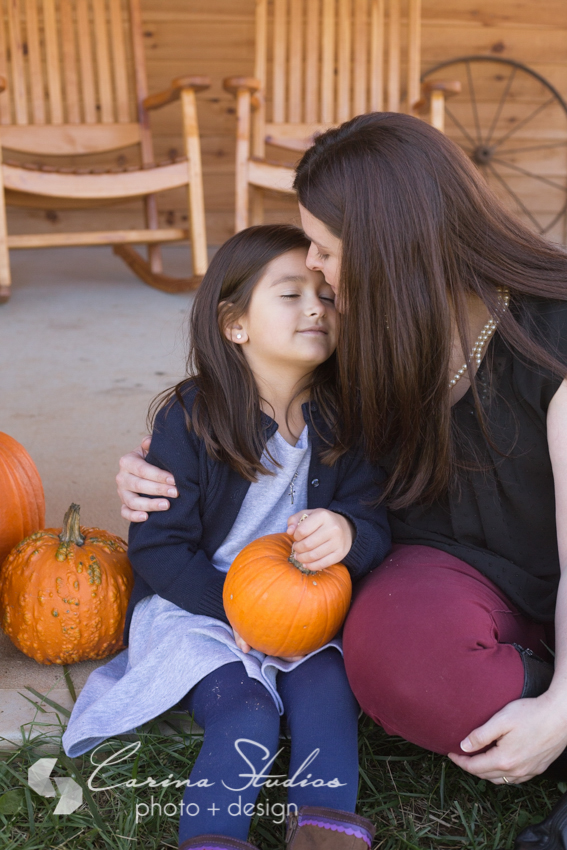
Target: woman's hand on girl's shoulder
<point x="321" y="537"/>
<point x="135" y="477"/>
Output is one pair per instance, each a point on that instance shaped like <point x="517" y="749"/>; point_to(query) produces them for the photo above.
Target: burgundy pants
<point x="428" y="647"/>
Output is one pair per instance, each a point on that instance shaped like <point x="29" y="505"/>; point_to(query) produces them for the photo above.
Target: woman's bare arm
<point x="135" y="477"/>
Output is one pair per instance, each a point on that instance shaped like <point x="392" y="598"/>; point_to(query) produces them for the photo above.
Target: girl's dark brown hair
<point x="227" y="410"/>
<point x="419" y="229"/>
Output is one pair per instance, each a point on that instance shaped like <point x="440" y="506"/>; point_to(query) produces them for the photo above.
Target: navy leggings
<point x="321" y="713"/>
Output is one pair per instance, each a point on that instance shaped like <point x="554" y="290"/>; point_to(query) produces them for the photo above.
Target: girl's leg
<point x="429" y="649"/>
<point x="229" y="705"/>
<point x="322" y="715"/>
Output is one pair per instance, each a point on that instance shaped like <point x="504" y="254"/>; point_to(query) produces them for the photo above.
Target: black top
<point x="171" y="551"/>
<point x="501" y="519"/>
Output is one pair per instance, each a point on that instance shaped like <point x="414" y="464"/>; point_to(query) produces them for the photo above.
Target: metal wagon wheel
<point x="512" y="123"/>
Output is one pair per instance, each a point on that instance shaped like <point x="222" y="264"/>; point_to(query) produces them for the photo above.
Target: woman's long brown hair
<point x="227" y="413"/>
<point x="420" y="230"/>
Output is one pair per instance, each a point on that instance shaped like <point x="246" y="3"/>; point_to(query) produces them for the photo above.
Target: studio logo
<point x="39" y="781"/>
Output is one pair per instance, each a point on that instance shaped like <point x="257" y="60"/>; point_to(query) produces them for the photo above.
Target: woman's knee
<point x="426" y="648"/>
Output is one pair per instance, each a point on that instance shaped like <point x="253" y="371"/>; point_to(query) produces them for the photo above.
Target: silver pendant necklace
<point x="292" y="488"/>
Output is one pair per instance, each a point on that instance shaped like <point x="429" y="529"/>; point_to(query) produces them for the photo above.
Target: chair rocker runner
<point x="73" y="82"/>
<point x="319" y="63"/>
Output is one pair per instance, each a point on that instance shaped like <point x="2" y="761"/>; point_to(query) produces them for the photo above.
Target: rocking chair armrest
<point x="156" y="101"/>
<point x="448" y="87"/>
<point x="3" y="84"/>
<point x="234" y="85"/>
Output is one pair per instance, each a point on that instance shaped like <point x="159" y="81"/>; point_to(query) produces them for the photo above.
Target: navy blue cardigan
<point x="171" y="551"/>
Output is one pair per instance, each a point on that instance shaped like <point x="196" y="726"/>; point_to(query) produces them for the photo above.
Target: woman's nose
<point x="312" y="262"/>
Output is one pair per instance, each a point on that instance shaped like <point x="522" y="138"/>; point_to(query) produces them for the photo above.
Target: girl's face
<point x="291" y="319"/>
<point x="325" y="252"/>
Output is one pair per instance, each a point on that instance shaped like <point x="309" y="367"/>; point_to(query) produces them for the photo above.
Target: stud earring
<point x="238" y="336"/>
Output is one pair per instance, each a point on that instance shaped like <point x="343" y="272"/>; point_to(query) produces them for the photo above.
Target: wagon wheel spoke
<point x="457" y="123"/>
<point x="554" y="221"/>
<point x="473" y="103"/>
<point x="514" y="196"/>
<point x="545" y="180"/>
<point x="500" y="105"/>
<point x="533" y="148"/>
<point x="524" y="121"/>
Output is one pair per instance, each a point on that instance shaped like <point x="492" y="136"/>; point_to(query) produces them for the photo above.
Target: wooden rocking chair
<point x="319" y="63"/>
<point x="73" y="82"/>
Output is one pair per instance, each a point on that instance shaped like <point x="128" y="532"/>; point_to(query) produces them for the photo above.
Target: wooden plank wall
<point x="215" y="37"/>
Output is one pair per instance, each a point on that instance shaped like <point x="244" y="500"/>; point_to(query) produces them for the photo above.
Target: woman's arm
<point x="136" y="476"/>
<point x="531" y="733"/>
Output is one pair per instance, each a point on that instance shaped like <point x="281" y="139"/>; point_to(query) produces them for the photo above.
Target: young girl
<point x="248" y="440"/>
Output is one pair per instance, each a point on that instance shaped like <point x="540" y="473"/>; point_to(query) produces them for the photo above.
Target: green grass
<point x="416" y="799"/>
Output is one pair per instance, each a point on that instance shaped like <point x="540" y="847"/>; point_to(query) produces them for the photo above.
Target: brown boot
<point x="215" y="842"/>
<point x="318" y="828"/>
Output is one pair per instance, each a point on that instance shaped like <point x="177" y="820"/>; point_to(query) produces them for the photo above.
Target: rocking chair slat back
<point x="5" y="101"/>
<point x="76" y="84"/>
<point x="87" y="65"/>
<point x="70" y="62"/>
<point x="16" y="54"/>
<point x="34" y="58"/>
<point x="320" y="63"/>
<point x="312" y="63"/>
<point x="119" y="62"/>
<point x="53" y="62"/>
<point x="103" y="62"/>
<point x="328" y="61"/>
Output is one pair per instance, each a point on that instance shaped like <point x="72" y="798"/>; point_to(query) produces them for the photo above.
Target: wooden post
<point x="437" y="110"/>
<point x="377" y="56"/>
<point x="195" y="188"/>
<point x="394" y="57"/>
<point x="259" y="117"/>
<point x="146" y="146"/>
<point x="243" y="106"/>
<point x="5" y="277"/>
<point x="414" y="53"/>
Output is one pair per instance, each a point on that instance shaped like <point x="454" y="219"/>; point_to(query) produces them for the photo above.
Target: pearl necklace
<point x="483" y="337"/>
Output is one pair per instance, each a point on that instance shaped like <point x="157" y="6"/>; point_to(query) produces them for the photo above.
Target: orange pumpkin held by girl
<point x="277" y="605"/>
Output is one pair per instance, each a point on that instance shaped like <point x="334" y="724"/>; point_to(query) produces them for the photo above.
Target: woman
<point x="452" y="356"/>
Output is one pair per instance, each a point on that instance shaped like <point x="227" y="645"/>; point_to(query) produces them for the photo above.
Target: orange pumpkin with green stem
<point x="64" y="593"/>
<point x="22" y="503"/>
<point x="278" y="605"/>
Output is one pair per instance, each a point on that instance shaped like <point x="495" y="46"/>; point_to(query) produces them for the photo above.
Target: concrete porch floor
<point x="84" y="347"/>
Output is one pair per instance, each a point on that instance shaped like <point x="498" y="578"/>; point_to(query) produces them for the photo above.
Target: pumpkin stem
<point x="301" y="567"/>
<point x="71" y="531"/>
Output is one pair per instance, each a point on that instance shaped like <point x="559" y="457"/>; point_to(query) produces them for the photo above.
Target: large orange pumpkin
<point x="22" y="503"/>
<point x="280" y="607"/>
<point x="64" y="593"/>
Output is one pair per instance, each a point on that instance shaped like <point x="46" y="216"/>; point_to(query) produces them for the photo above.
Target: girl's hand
<point x="240" y="642"/>
<point x="528" y="733"/>
<point x="137" y="476"/>
<point x="245" y="647"/>
<point x="322" y="539"/>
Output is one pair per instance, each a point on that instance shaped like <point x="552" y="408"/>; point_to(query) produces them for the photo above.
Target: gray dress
<point x="170" y="650"/>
